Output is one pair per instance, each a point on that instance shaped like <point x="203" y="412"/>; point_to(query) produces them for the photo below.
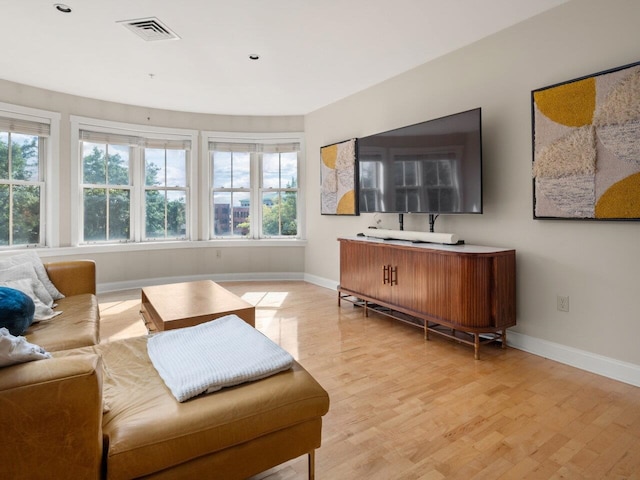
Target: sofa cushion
<point x="16" y="310"/>
<point x="77" y="326"/>
<point x="149" y="431"/>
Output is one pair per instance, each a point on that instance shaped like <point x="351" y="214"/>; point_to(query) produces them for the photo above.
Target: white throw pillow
<point x="17" y="350"/>
<point x="34" y="259"/>
<point x="25" y="285"/>
<point x="26" y="270"/>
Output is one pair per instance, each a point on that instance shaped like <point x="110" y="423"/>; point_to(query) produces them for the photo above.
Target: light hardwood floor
<point x="405" y="408"/>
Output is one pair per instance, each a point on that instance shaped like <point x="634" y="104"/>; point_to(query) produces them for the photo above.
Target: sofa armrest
<point x="73" y="277"/>
<point x="51" y="418"/>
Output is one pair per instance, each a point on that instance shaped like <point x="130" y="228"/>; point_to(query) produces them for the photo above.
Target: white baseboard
<point x="321" y="282"/>
<point x="221" y="277"/>
<point x="590" y="362"/>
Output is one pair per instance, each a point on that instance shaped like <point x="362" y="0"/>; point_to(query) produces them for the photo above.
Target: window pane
<point x="155" y="213"/>
<point x="231" y="170"/>
<point x="231" y="213"/>
<point x="26" y="214"/>
<point x="279" y="213"/>
<point x="176" y="214"/>
<point x="95" y="214"/>
<point x="280" y="170"/>
<point x="176" y="168"/>
<point x="4" y="214"/>
<point x="241" y="170"/>
<point x="118" y="164"/>
<point x="271" y="170"/>
<point x="289" y="215"/>
<point x="222" y="213"/>
<point x="94" y="163"/>
<point x="241" y="209"/>
<point x="221" y="169"/>
<point x="4" y="155"/>
<point x="24" y="157"/>
<point x="289" y="169"/>
<point x="119" y="216"/>
<point x="271" y="214"/>
<point x="154" y="167"/>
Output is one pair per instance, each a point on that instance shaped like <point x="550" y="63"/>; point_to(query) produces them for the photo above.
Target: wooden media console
<point x="464" y="292"/>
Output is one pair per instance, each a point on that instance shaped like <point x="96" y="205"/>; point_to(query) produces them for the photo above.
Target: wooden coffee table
<point x="186" y="304"/>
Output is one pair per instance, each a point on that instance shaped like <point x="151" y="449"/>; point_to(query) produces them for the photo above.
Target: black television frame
<point x="433" y="214"/>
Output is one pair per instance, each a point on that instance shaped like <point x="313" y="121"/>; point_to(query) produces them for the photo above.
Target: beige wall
<point x="127" y="268"/>
<point x="596" y="264"/>
<point x="121" y="270"/>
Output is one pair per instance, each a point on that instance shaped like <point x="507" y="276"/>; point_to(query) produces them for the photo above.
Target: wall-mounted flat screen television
<point x="432" y="167"/>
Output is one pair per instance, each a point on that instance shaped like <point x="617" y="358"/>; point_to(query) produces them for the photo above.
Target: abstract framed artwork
<point x="338" y="177"/>
<point x="586" y="147"/>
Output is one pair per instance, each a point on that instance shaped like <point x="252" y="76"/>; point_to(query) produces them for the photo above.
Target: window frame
<point x="138" y="187"/>
<point x="255" y="189"/>
<point x="50" y="157"/>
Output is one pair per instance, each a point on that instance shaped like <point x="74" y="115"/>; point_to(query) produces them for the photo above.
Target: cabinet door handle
<point x="394" y="275"/>
<point x="385" y="274"/>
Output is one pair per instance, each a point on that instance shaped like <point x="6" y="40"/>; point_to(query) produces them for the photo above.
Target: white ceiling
<point x="312" y="52"/>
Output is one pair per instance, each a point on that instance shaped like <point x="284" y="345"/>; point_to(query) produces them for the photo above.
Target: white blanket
<point x="17" y="350"/>
<point x="220" y="353"/>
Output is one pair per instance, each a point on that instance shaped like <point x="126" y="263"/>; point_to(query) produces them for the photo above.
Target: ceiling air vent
<point x="150" y="29"/>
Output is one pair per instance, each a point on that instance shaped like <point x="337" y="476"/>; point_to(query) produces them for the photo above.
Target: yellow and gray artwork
<point x="337" y="176"/>
<point x="586" y="142"/>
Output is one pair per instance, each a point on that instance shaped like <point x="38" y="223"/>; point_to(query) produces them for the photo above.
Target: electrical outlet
<point x="563" y="303"/>
<point x="218" y="254"/>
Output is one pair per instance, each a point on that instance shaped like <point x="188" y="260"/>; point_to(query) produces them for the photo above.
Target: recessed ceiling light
<point x="253" y="56"/>
<point x="61" y="7"/>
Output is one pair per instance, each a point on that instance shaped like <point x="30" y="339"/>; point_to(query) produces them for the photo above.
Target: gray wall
<point x="596" y="264"/>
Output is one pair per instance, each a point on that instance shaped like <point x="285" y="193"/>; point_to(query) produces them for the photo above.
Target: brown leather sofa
<point x="102" y="411"/>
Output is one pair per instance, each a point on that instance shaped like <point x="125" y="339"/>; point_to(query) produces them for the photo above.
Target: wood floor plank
<point x="404" y="408"/>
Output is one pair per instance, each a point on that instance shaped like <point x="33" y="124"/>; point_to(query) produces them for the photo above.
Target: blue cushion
<point x="16" y="310"/>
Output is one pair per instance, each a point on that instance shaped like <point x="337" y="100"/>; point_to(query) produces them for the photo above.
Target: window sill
<point x="141" y="247"/>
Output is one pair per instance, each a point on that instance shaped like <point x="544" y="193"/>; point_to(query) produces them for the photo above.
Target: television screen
<point x="431" y="167"/>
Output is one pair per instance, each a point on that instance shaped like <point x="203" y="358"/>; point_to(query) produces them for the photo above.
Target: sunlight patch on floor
<point x="273" y="299"/>
<point x="265" y="299"/>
